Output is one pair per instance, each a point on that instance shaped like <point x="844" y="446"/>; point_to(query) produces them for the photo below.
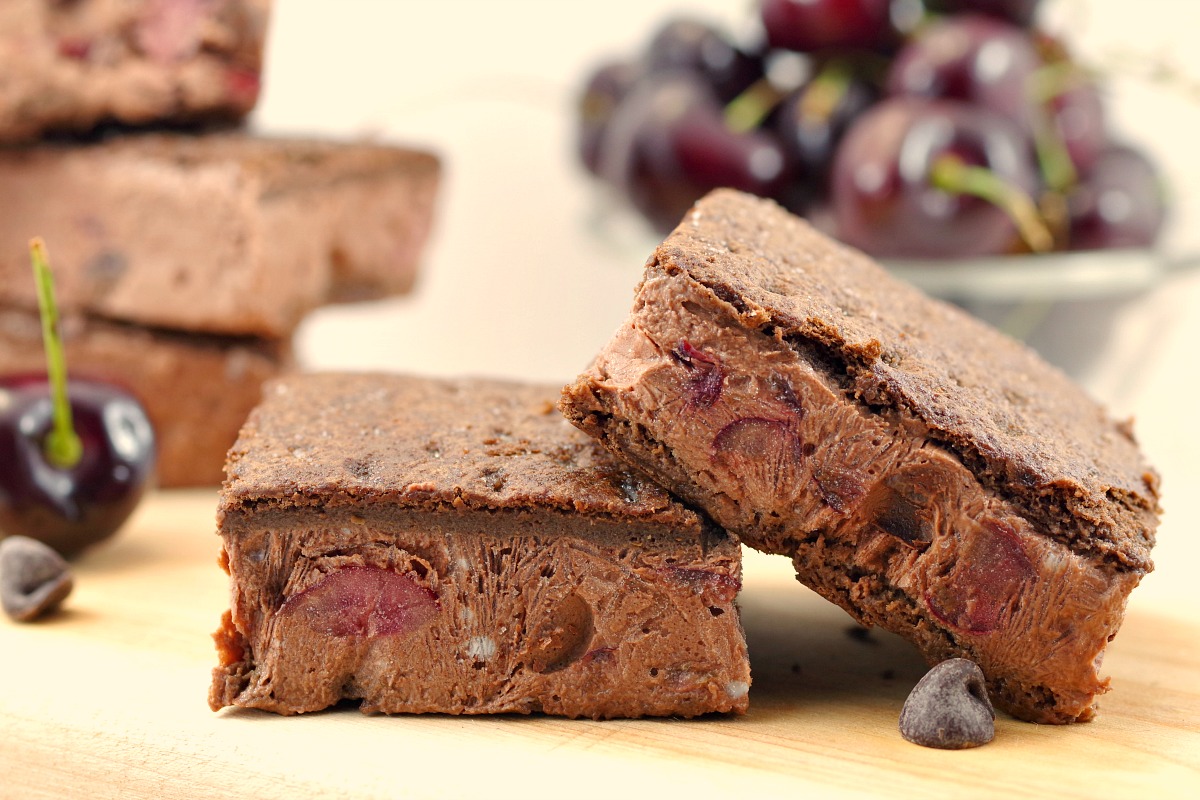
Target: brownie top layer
<point x="345" y="439"/>
<point x="1020" y="424"/>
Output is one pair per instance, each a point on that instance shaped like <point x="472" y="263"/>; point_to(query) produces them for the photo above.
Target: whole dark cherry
<point x="810" y="123"/>
<point x="602" y="94"/>
<point x="970" y="57"/>
<point x="75" y="458"/>
<point x="917" y="178"/>
<point x="71" y="507"/>
<point x="668" y="144"/>
<point x="1075" y="125"/>
<point x="693" y="45"/>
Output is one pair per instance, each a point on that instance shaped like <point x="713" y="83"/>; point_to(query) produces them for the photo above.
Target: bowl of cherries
<point x="953" y="140"/>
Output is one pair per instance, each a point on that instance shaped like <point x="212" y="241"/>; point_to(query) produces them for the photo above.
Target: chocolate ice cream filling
<point x="475" y="613"/>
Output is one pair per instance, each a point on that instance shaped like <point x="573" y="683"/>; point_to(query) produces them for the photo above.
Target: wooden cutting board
<point x="108" y="699"/>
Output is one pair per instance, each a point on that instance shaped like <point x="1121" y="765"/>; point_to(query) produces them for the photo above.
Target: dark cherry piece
<point x="363" y="602"/>
<point x="706" y="376"/>
<point x="896" y="193"/>
<point x="763" y="454"/>
<point x="987" y="574"/>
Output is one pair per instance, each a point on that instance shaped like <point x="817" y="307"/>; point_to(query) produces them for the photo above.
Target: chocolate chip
<point x="34" y="579"/>
<point x="949" y="708"/>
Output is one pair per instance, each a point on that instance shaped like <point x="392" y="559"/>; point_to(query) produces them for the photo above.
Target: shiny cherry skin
<point x="973" y="58"/>
<point x="71" y="508"/>
<point x="884" y="201"/>
<point x="686" y="43"/>
<point x="810" y="123"/>
<point x="1119" y="202"/>
<point x="668" y="145"/>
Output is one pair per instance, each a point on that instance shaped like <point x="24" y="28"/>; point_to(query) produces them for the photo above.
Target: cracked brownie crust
<point x="456" y="546"/>
<point x="922" y="470"/>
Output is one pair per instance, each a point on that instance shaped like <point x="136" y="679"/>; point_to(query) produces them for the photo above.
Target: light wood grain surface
<point x="108" y="699"/>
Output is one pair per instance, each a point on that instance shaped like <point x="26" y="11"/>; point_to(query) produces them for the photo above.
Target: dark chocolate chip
<point x="949" y="708"/>
<point x="34" y="579"/>
<point x="562" y="636"/>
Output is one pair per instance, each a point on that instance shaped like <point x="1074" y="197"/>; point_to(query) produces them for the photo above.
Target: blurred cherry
<point x="1119" y="202"/>
<point x="1018" y="12"/>
<point x="811" y="122"/>
<point x="916" y="178"/>
<point x="685" y="43"/>
<point x="973" y="58"/>
<point x="669" y="144"/>
<point x="815" y="25"/>
<point x="605" y="88"/>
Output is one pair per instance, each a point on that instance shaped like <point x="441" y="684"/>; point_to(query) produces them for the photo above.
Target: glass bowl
<point x="1094" y="314"/>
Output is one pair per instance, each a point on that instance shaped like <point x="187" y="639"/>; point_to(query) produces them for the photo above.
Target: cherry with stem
<point x="75" y="457"/>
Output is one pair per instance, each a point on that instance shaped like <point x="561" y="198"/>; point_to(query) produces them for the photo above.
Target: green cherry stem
<point x="747" y="111"/>
<point x="951" y="174"/>
<point x="1046" y="84"/>
<point x="824" y="92"/>
<point x="63" y="447"/>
